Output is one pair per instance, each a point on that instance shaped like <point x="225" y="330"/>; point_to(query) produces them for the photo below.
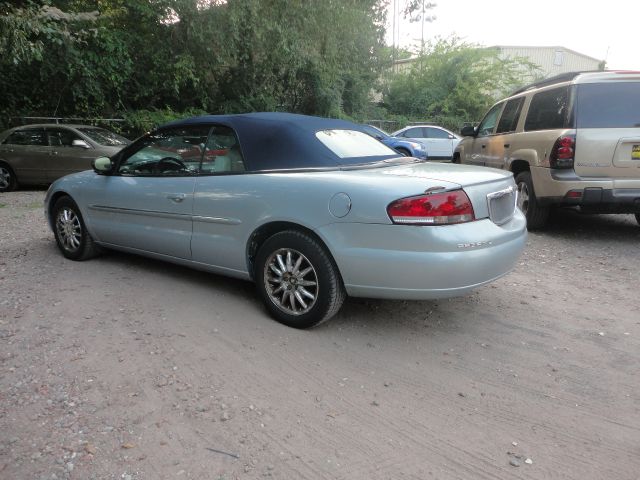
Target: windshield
<point x="353" y="144"/>
<point x="105" y="137"/>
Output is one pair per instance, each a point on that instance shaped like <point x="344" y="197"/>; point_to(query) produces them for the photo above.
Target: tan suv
<point x="570" y="141"/>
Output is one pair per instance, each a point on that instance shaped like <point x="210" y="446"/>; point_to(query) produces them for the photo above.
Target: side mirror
<point x="469" y="131"/>
<point x="102" y="165"/>
<point x="80" y="143"/>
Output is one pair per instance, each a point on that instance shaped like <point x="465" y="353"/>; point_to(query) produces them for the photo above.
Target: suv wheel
<point x="528" y="203"/>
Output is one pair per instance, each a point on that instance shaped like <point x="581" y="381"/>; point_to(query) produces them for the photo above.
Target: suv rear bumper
<point x="565" y="188"/>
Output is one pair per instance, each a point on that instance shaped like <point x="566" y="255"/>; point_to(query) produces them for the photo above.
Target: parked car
<point x="570" y="141"/>
<point x="39" y="154"/>
<point x="310" y="209"/>
<point x="405" y="147"/>
<point x="440" y="142"/>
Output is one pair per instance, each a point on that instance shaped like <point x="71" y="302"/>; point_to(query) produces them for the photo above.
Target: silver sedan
<point x="310" y="209"/>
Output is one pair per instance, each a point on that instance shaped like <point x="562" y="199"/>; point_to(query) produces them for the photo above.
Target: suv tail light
<point x="563" y="151"/>
<point x="435" y="209"/>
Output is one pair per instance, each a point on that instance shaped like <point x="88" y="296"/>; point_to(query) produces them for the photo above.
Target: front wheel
<point x="536" y="215"/>
<point x="8" y="181"/>
<point x="298" y="280"/>
<point x="72" y="237"/>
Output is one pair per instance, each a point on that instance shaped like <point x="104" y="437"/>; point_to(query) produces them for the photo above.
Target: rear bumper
<point x="423" y="262"/>
<point x="592" y="195"/>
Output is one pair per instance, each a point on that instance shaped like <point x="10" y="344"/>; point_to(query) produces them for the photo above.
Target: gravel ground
<point x="129" y="368"/>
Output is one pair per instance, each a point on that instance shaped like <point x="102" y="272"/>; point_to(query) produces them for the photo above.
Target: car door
<point x="499" y="145"/>
<point x="480" y="144"/>
<point x="222" y="205"/>
<point x="27" y="152"/>
<point x="147" y="204"/>
<point x="439" y="143"/>
<point x="65" y="157"/>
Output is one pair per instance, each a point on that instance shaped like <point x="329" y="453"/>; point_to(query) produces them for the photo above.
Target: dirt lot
<point x="128" y="368"/>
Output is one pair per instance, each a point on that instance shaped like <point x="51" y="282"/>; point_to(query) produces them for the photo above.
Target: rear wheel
<point x="71" y="234"/>
<point x="536" y="215"/>
<point x="8" y="179"/>
<point x="298" y="280"/>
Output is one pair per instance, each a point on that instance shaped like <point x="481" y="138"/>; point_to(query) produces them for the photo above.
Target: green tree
<point x="107" y="57"/>
<point x="455" y="80"/>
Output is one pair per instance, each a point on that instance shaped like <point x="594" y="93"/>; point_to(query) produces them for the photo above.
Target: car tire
<point x="638" y="218"/>
<point x="72" y="237"/>
<point x="293" y="297"/>
<point x="8" y="180"/>
<point x="536" y="215"/>
<point x="403" y="151"/>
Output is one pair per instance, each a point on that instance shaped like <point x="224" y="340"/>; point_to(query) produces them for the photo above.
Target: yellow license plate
<point x="635" y="152"/>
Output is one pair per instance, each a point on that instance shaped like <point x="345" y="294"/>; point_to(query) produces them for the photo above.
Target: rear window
<point x="611" y="105"/>
<point x="550" y="110"/>
<point x="351" y="144"/>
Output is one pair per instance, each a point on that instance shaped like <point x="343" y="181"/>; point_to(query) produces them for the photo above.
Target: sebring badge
<point x="475" y="244"/>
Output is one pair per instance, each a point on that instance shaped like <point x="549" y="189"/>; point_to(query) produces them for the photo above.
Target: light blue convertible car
<point x="310" y="209"/>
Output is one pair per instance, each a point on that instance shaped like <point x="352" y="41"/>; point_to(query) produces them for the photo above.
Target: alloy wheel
<point x="523" y="197"/>
<point x="69" y="229"/>
<point x="5" y="178"/>
<point x="291" y="281"/>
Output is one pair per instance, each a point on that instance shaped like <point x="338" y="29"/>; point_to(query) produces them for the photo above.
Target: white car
<point x="440" y="142"/>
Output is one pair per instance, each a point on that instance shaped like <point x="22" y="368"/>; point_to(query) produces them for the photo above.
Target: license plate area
<point x="502" y="205"/>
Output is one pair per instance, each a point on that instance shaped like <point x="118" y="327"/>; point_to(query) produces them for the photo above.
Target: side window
<point x="549" y="110"/>
<point x="489" y="121"/>
<point x="509" y="119"/>
<point x="413" y="133"/>
<point x="436" y="133"/>
<point x="61" y="137"/>
<point x="33" y="136"/>
<point x="222" y="153"/>
<point x="172" y="152"/>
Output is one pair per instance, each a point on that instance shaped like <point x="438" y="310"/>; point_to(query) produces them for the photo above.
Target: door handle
<point x="176" y="197"/>
<point x="483" y="146"/>
<point x="507" y="145"/>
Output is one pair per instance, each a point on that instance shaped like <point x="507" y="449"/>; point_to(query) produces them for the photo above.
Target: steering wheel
<point x="170" y="164"/>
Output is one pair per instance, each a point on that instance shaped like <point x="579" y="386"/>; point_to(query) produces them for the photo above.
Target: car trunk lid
<point x="491" y="191"/>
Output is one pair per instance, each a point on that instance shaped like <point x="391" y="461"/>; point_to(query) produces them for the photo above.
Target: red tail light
<point x="435" y="209"/>
<point x="563" y="151"/>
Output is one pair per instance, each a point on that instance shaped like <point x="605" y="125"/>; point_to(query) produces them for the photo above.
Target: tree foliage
<point x="105" y="57"/>
<point x="454" y="80"/>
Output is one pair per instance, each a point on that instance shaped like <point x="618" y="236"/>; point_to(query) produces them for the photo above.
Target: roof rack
<point x="563" y="77"/>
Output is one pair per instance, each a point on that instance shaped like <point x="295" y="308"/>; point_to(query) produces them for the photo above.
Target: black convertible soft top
<point x="283" y="141"/>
